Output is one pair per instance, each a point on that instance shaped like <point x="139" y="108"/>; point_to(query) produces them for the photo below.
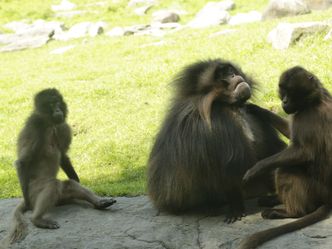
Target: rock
<point x="62" y="50"/>
<point x="63" y="6"/>
<point x="26" y="42"/>
<point x="252" y="16"/>
<point x="328" y="36"/>
<point x="38" y="27"/>
<point x="141" y="11"/>
<point x="155" y="29"/>
<point x="213" y="13"/>
<point x="80" y="30"/>
<point x="287" y="33"/>
<point x="8" y="38"/>
<point x="165" y="16"/>
<point x="226" y="5"/>
<point x="281" y="8"/>
<point x="117" y="31"/>
<point x="318" y="4"/>
<point x="30" y="35"/>
<point x="16" y="26"/>
<point x="133" y="223"/>
<point x="96" y="28"/>
<point x="170" y="25"/>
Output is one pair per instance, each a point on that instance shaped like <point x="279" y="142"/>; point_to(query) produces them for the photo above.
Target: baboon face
<point x="230" y="85"/>
<point x="298" y="89"/>
<point x="50" y="103"/>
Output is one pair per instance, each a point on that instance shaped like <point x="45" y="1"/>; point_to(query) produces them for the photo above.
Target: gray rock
<point x="252" y="16"/>
<point x="165" y="16"/>
<point x="16" y="26"/>
<point x="38" y="27"/>
<point x="116" y="31"/>
<point x="281" y="8"/>
<point x="213" y="13"/>
<point x="319" y="4"/>
<point x="26" y="42"/>
<point x="97" y="28"/>
<point x="132" y="223"/>
<point x="63" y="6"/>
<point x="81" y="30"/>
<point x="9" y="38"/>
<point x="166" y="26"/>
<point x="226" y="5"/>
<point x="287" y="33"/>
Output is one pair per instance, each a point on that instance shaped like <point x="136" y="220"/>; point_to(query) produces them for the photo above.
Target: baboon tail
<point x="256" y="239"/>
<point x="18" y="230"/>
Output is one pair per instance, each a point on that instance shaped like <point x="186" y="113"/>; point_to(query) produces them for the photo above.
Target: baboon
<point x="42" y="147"/>
<point x="208" y="140"/>
<point x="304" y="174"/>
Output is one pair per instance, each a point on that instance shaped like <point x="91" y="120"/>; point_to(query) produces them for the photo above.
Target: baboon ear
<point x="205" y="105"/>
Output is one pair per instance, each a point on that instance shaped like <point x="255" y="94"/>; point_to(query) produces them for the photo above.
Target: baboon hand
<point x="252" y="172"/>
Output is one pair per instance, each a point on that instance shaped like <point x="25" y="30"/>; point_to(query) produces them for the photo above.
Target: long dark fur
<point x="200" y="155"/>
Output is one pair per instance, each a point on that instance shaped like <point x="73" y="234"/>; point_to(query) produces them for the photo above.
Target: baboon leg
<point x="73" y="190"/>
<point x="45" y="200"/>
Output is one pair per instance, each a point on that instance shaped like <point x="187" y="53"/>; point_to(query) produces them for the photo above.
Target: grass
<point x="118" y="92"/>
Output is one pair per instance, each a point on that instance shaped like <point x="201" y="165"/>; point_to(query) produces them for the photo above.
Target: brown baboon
<point x="42" y="148"/>
<point x="208" y="140"/>
<point x="304" y="174"/>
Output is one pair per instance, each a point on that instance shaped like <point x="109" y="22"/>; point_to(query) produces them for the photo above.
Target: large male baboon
<point x="208" y="140"/>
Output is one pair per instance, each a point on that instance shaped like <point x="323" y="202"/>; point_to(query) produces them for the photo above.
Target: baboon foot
<point x="104" y="203"/>
<point x="234" y="216"/>
<point x="45" y="223"/>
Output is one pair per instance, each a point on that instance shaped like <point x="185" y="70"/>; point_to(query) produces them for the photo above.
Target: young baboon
<point x="42" y="148"/>
<point x="208" y="140"/>
<point x="304" y="175"/>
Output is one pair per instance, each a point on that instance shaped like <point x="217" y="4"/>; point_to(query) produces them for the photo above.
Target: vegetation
<point x="118" y="90"/>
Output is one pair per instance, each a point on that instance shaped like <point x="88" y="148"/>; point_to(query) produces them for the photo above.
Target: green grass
<point x="118" y="92"/>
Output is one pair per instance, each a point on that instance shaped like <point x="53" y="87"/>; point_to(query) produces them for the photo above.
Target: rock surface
<point x="281" y="8"/>
<point x="134" y="223"/>
<point x="285" y="34"/>
<point x="213" y="13"/>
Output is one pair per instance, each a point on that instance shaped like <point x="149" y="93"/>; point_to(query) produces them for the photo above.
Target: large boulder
<point x="213" y="13"/>
<point x="282" y="8"/>
<point x="287" y="33"/>
<point x="81" y="30"/>
<point x="26" y="42"/>
<point x="165" y="16"/>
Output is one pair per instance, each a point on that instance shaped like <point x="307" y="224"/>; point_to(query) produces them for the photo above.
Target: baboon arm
<point x="279" y="123"/>
<point x="68" y="168"/>
<point x="24" y="178"/>
<point x="291" y="156"/>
